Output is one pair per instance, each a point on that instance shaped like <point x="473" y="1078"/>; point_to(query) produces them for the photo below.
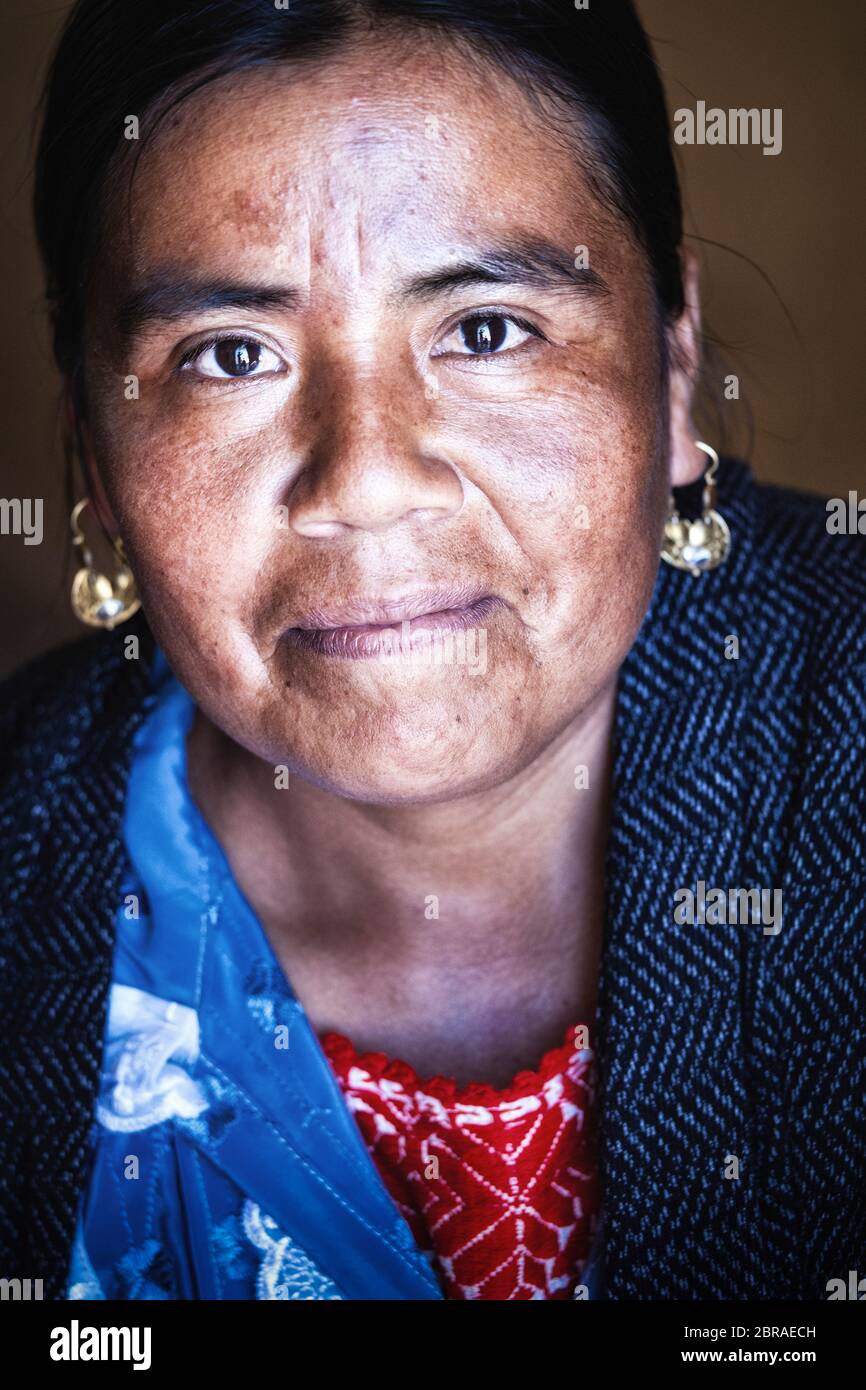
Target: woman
<point x="440" y="896"/>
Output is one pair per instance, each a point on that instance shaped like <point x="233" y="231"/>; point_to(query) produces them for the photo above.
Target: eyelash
<point x="198" y="350"/>
<point x="495" y="313"/>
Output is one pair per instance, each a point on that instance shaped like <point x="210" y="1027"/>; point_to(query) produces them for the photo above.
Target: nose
<point x="371" y="461"/>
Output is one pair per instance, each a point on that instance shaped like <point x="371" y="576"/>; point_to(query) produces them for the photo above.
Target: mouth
<point x="361" y="629"/>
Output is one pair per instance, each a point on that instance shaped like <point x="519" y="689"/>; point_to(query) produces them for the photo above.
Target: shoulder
<point x="56" y="709"/>
<point x="807" y="608"/>
<point x="788" y="701"/>
<point x="792" y="591"/>
<point x="809" y="578"/>
<point x="67" y="723"/>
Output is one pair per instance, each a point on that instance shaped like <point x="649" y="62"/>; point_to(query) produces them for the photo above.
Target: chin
<point x="403" y="770"/>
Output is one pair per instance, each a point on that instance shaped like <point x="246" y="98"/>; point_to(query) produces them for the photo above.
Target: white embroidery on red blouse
<point x="502" y="1194"/>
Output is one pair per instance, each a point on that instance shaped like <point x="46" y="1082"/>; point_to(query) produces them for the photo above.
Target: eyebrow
<point x="166" y="296"/>
<point x="513" y="261"/>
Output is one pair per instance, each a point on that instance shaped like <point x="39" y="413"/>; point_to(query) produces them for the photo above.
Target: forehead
<point x="373" y="155"/>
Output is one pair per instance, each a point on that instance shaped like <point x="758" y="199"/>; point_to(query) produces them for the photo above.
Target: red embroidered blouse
<point x="499" y="1187"/>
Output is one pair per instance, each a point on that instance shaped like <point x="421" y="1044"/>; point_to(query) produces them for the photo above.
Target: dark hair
<point x="118" y="58"/>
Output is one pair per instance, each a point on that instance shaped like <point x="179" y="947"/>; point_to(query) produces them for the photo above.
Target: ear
<point x="684" y="353"/>
<point x="79" y="430"/>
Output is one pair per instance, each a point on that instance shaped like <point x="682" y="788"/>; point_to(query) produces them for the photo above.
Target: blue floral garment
<point x="225" y="1161"/>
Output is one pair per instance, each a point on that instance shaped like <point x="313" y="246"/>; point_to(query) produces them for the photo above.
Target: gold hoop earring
<point x="101" y="600"/>
<point x="699" y="545"/>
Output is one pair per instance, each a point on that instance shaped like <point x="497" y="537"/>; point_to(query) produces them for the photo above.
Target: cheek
<point x="601" y="560"/>
<point x="580" y="481"/>
<point x="183" y="501"/>
<point x="197" y="531"/>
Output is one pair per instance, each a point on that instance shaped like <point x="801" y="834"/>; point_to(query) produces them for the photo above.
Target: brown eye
<point x="237" y="356"/>
<point x="231" y="359"/>
<point x="487" y="335"/>
<point x="484" y="335"/>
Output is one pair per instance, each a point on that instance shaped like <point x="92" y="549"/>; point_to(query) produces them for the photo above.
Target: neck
<point x="463" y="937"/>
<point x="351" y="868"/>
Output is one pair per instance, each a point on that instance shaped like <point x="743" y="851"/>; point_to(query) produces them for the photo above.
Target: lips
<point x="361" y="628"/>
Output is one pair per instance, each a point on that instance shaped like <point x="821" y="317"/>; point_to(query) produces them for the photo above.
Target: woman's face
<point x="426" y="397"/>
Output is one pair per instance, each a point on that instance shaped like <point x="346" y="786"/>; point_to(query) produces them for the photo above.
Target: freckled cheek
<point x="193" y="532"/>
<point x="574" y="482"/>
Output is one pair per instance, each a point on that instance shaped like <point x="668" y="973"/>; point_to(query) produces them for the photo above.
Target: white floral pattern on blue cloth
<point x="149" y="1044"/>
<point x="144" y="1080"/>
<point x="285" y="1271"/>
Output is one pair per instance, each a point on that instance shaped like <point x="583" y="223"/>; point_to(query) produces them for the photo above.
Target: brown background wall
<point x="798" y="217"/>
